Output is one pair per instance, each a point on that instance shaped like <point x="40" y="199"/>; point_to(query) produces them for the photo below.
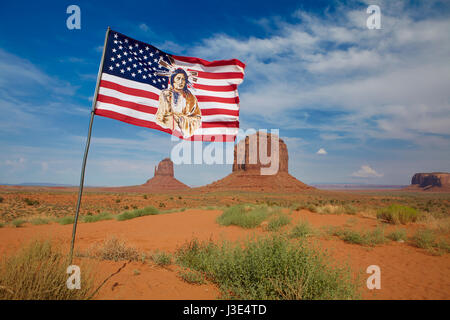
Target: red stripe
<point x="127" y="104"/>
<point x="127" y="90"/>
<point x="234" y="100"/>
<point x="221" y="124"/>
<point x="231" y="87"/>
<point x="217" y="111"/>
<point x="219" y="75"/>
<point x="217" y="63"/>
<point x="152" y="125"/>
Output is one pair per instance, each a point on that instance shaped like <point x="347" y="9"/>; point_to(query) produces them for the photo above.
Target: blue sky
<point x="377" y="102"/>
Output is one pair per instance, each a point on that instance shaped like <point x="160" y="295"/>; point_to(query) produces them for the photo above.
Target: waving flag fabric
<point x="191" y="98"/>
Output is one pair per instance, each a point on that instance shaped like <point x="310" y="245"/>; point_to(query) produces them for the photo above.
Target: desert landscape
<point x="246" y="236"/>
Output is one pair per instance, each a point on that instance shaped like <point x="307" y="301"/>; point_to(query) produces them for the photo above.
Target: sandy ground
<point x="406" y="272"/>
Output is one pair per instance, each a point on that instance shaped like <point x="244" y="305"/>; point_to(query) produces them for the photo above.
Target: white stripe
<point x="151" y="117"/>
<point x="130" y="84"/>
<point x="128" y="97"/>
<point x="218" y="105"/>
<point x="219" y="94"/>
<point x="200" y="67"/>
<point x="219" y="117"/>
<point x="218" y="82"/>
<point x="125" y="111"/>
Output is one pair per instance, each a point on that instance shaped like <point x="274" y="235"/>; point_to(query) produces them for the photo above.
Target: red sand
<point x="406" y="272"/>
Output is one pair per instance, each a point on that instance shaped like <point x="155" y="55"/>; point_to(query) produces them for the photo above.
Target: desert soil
<point x="406" y="272"/>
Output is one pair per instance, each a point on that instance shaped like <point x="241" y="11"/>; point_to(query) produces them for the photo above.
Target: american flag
<point x="132" y="80"/>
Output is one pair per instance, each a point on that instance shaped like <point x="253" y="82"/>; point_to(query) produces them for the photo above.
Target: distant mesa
<point x="164" y="178"/>
<point x="162" y="181"/>
<point x="246" y="174"/>
<point x="434" y="181"/>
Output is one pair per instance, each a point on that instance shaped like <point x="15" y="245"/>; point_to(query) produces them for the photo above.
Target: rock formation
<point x="246" y="174"/>
<point x="164" y="178"/>
<point x="435" y="181"/>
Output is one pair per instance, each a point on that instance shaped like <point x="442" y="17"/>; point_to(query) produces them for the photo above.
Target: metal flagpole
<point x="88" y="141"/>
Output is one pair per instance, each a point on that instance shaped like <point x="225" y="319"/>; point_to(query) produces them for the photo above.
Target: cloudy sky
<point x="354" y="105"/>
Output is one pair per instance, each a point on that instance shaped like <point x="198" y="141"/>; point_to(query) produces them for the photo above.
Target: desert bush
<point x="40" y="221"/>
<point x="38" y="272"/>
<point x="192" y="277"/>
<point x="278" y="221"/>
<point x="18" y="223"/>
<point x="66" y="220"/>
<point x="162" y="259"/>
<point x="245" y="216"/>
<point x="301" y="229"/>
<point x="137" y="213"/>
<point x="30" y="202"/>
<point x="114" y="249"/>
<point x="98" y="217"/>
<point x="396" y="214"/>
<point x="428" y="239"/>
<point x="268" y="268"/>
<point x="1" y="199"/>
<point x="2" y="225"/>
<point x="370" y="238"/>
<point x="397" y="235"/>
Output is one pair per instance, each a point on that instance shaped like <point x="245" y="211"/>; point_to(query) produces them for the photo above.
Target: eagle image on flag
<point x="188" y="97"/>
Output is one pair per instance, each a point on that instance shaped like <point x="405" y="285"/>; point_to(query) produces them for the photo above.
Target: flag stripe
<point x="219" y="75"/>
<point x="217" y="63"/>
<point x="231" y="87"/>
<point x="146" y="113"/>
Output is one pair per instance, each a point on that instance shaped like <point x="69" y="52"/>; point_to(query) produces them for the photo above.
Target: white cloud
<point x="321" y="151"/>
<point x="366" y="172"/>
<point x="144" y="27"/>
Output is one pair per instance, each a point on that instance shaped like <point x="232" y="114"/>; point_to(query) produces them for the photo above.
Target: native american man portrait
<point x="178" y="107"/>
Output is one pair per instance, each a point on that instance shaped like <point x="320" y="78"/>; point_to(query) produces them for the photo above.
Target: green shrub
<point x="278" y="221"/>
<point x="40" y="221"/>
<point x="398" y="235"/>
<point x="18" y="223"/>
<point x="98" y="217"/>
<point x="268" y="268"/>
<point x="137" y="213"/>
<point x="30" y="202"/>
<point x="38" y="272"/>
<point x="1" y="199"/>
<point x="191" y="277"/>
<point x="162" y="259"/>
<point x="66" y="220"/>
<point x="396" y="214"/>
<point x="427" y="239"/>
<point x="370" y="238"/>
<point x="301" y="229"/>
<point x="245" y="216"/>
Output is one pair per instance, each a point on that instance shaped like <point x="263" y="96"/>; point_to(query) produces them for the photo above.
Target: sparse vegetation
<point x="278" y="221"/>
<point x="31" y="202"/>
<point x="428" y="239"/>
<point x="162" y="259"/>
<point x="1" y="199"/>
<point x="137" y="213"/>
<point x="191" y="276"/>
<point x="301" y="229"/>
<point x="66" y="220"/>
<point x="114" y="249"/>
<point x="99" y="217"/>
<point x="38" y="272"/>
<point x="40" y="221"/>
<point x="397" y="235"/>
<point x="18" y="223"/>
<point x="396" y="214"/>
<point x="245" y="216"/>
<point x="268" y="268"/>
<point x="370" y="238"/>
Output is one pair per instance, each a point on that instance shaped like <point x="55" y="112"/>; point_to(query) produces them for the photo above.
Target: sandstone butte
<point x="247" y="176"/>
<point x="434" y="181"/>
<point x="163" y="180"/>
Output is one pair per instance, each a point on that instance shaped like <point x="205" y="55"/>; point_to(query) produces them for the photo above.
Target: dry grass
<point x="38" y="272"/>
<point x="113" y="249"/>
